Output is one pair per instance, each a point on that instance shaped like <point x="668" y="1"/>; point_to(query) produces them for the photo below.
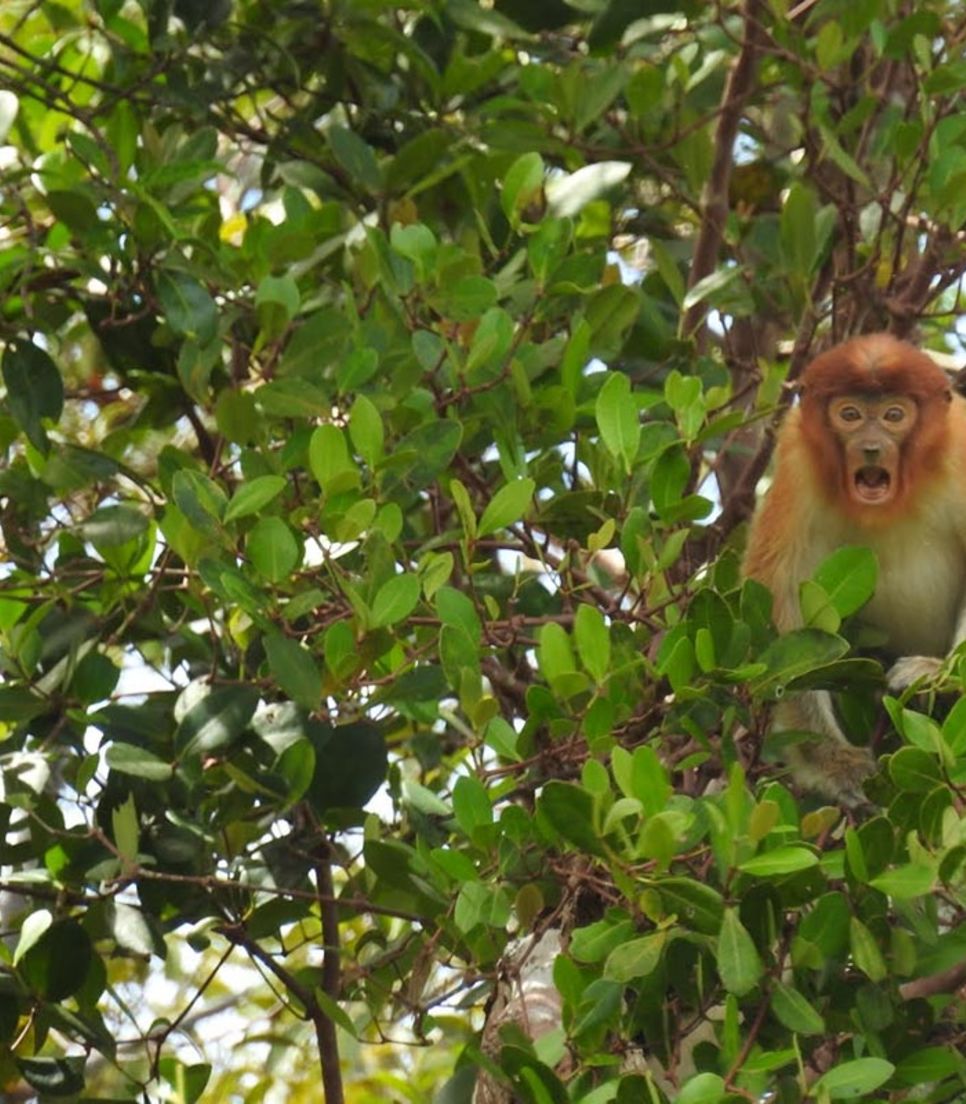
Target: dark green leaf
<point x="217" y="720"/>
<point x="35" y="390"/>
<point x="273" y="549"/>
<point x="738" y="960"/>
<point x="187" y="305"/>
<point x="569" y="809"/>
<point x="350" y="764"/>
<point x="138" y="762"/>
<point x="53" y="1076"/>
<point x="854" y="1079"/>
<point x="294" y="669"/>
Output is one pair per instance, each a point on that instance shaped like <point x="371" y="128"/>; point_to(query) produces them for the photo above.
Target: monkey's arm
<point x="780" y="555"/>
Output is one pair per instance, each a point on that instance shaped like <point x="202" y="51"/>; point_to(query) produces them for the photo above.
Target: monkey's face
<point x="871" y="431"/>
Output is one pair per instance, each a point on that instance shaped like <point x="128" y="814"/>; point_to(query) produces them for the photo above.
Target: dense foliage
<point x="386" y="388"/>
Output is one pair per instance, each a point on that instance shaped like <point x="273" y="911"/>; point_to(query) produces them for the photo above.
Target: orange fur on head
<point x="875" y="366"/>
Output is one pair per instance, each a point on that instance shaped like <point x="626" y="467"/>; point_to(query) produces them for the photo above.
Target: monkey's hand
<point x="833" y="768"/>
<point x="904" y="672"/>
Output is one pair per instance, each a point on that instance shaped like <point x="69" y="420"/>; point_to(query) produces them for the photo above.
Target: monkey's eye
<point x="894" y="414"/>
<point x="850" y="414"/>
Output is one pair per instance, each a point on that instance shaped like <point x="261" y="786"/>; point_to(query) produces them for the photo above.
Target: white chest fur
<point x="922" y="580"/>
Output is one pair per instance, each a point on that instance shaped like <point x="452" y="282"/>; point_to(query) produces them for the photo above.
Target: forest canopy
<point x="385" y="392"/>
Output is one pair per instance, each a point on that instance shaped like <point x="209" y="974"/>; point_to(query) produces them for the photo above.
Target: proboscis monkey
<point x="874" y="455"/>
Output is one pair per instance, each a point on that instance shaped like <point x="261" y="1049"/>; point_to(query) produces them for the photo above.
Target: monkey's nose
<point x="871" y="453"/>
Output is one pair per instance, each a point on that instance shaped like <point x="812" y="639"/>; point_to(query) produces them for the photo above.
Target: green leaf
<point x="906" y="881"/>
<point x="112" y="526"/>
<point x="865" y="951"/>
<point x="854" y="1079"/>
<point x="330" y="461"/>
<point x="569" y="809"/>
<point x="365" y="430"/>
<point x="712" y="287"/>
<point x="126" y="829"/>
<point x="914" y="770"/>
<point x="395" y="600"/>
<point x="794" y="1011"/>
<point x="795" y="654"/>
<point x="782" y="860"/>
<point x="595" y="942"/>
<point x="32" y="928"/>
<point x="471" y="805"/>
<point x="35" y="390"/>
<point x="294" y="669"/>
<point x="200" y="499"/>
<point x="469" y="298"/>
<point x="522" y="185"/>
<point x="216" y="721"/>
<point x="253" y="495"/>
<point x="273" y="549"/>
<point x="57" y="964"/>
<point x="280" y="291"/>
<point x="697" y="905"/>
<point x="738" y="961"/>
<point x="702" y="1088"/>
<point x="137" y="762"/>
<point x="554" y="653"/>
<point x="53" y="1076"/>
<point x="799" y="244"/>
<point x="464" y="507"/>
<point x="422" y="455"/>
<point x="593" y="641"/>
<point x="848" y="577"/>
<point x="929" y="1064"/>
<point x="296" y="765"/>
<point x="638" y="958"/>
<point x="356" y="157"/>
<point x="130" y="928"/>
<point x="617" y="419"/>
<point x="187" y="1081"/>
<point x="188" y="307"/>
<point x="489" y="346"/>
<point x="507" y="506"/>
<point x="350" y="764"/>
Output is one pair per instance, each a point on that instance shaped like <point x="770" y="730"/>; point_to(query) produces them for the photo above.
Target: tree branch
<point x="714" y="197"/>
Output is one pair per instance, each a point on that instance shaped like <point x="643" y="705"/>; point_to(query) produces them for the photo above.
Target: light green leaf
<point x="294" y="669"/>
<point x="127" y="832"/>
<point x="273" y="549"/>
<point x="506" y="506"/>
<point x="32" y="928"/>
<point x="617" y="418"/>
<point x="593" y="641"/>
<point x="396" y="599"/>
<point x="906" y="881"/>
<point x="703" y="1088"/>
<point x="637" y="958"/>
<point x="138" y="762"/>
<point x="366" y="431"/>
<point x="738" y="961"/>
<point x="522" y="184"/>
<point x="865" y="951"/>
<point x="187" y="305"/>
<point x="35" y="390"/>
<point x="854" y="1079"/>
<point x="253" y="495"/>
<point x="782" y="860"/>
<point x="794" y="1011"/>
<point x="848" y="577"/>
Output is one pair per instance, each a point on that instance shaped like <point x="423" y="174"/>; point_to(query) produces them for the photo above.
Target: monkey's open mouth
<point x="872" y="483"/>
